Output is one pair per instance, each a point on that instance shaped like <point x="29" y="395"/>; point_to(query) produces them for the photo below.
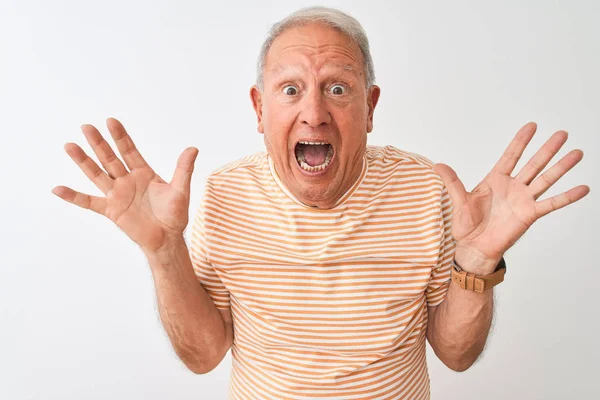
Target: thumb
<point x="183" y="172"/>
<point x="455" y="187"/>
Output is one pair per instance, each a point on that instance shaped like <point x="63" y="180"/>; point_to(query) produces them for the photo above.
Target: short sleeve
<point x="205" y="272"/>
<point x="442" y="272"/>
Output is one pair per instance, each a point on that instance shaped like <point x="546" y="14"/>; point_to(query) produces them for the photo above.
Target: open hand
<point x="148" y="209"/>
<point x="490" y="219"/>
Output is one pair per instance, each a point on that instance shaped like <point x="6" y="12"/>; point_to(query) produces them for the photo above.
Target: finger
<point x="515" y="149"/>
<point x="543" y="156"/>
<point x="455" y="187"/>
<point x="550" y="177"/>
<point x="89" y="167"/>
<point x="559" y="201"/>
<point x="183" y="172"/>
<point x="126" y="147"/>
<point x="94" y="203"/>
<point x="109" y="160"/>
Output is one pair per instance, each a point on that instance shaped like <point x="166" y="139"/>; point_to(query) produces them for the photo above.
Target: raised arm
<point x="486" y="223"/>
<point x="154" y="214"/>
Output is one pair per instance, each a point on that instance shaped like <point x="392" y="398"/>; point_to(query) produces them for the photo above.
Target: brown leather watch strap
<point x="477" y="283"/>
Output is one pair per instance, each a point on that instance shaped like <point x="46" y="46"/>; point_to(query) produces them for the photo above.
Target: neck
<point x="331" y="199"/>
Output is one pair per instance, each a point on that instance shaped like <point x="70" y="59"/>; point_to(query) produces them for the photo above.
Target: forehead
<point x="313" y="46"/>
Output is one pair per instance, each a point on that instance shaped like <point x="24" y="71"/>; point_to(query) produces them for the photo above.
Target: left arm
<point x="458" y="328"/>
<point x="486" y="222"/>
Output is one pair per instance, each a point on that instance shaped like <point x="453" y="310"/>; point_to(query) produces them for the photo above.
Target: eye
<point x="290" y="90"/>
<point x="338" y="90"/>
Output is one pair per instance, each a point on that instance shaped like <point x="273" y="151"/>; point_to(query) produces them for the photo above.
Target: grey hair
<point x="329" y="17"/>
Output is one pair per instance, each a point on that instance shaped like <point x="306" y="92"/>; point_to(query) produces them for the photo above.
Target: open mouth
<point x="313" y="156"/>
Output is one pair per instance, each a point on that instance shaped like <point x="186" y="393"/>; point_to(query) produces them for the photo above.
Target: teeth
<point x="313" y="143"/>
<point x="316" y="168"/>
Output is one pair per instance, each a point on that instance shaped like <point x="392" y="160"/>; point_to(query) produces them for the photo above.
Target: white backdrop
<point x="77" y="304"/>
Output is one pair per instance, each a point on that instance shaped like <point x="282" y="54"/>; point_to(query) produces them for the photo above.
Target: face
<point x="314" y="91"/>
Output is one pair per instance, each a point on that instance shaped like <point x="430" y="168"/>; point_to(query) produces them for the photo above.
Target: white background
<point x="77" y="305"/>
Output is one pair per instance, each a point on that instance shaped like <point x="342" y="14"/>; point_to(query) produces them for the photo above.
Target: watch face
<point x="501" y="264"/>
<point x="456" y="266"/>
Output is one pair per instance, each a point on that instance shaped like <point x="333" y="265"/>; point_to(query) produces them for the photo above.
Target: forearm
<point x="192" y="321"/>
<point x="460" y="326"/>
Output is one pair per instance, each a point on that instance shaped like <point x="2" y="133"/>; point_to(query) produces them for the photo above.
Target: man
<point x="324" y="263"/>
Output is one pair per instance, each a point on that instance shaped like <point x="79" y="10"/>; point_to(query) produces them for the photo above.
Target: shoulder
<point x="396" y="166"/>
<point x="390" y="155"/>
<point x="251" y="162"/>
<point x="406" y="172"/>
<point x="246" y="173"/>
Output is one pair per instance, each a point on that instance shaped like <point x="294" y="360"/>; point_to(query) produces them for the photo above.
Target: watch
<point x="478" y="283"/>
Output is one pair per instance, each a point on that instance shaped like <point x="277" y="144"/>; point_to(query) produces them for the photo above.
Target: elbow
<point x="457" y="359"/>
<point x="458" y="364"/>
<point x="459" y="367"/>
<point x="202" y="365"/>
<point x="199" y="369"/>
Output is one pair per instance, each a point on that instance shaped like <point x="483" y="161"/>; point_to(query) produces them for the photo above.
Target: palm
<point x="145" y="208"/>
<point x="490" y="219"/>
<point x="148" y="209"/>
<point x="158" y="205"/>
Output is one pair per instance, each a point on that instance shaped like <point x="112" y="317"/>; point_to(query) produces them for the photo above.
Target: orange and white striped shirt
<point x="327" y="303"/>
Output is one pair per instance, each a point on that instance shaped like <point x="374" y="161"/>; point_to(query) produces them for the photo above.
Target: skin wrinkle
<point x="339" y="71"/>
<point x="319" y="50"/>
<point x="313" y="58"/>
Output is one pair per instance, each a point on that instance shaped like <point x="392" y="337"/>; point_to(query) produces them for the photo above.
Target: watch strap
<point x="478" y="283"/>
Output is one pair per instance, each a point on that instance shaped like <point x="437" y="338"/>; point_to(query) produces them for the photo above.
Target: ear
<point x="372" y="99"/>
<point x="256" y="97"/>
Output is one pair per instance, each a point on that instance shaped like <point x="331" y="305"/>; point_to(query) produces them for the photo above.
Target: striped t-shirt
<point x="326" y="303"/>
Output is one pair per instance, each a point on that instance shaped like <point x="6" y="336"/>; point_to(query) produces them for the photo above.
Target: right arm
<point x="154" y="214"/>
<point x="201" y="333"/>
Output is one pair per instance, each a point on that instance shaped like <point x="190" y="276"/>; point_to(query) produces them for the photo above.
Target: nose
<point x="314" y="110"/>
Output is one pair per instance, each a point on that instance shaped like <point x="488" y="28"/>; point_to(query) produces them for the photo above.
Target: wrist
<point x="171" y="247"/>
<point x="475" y="262"/>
